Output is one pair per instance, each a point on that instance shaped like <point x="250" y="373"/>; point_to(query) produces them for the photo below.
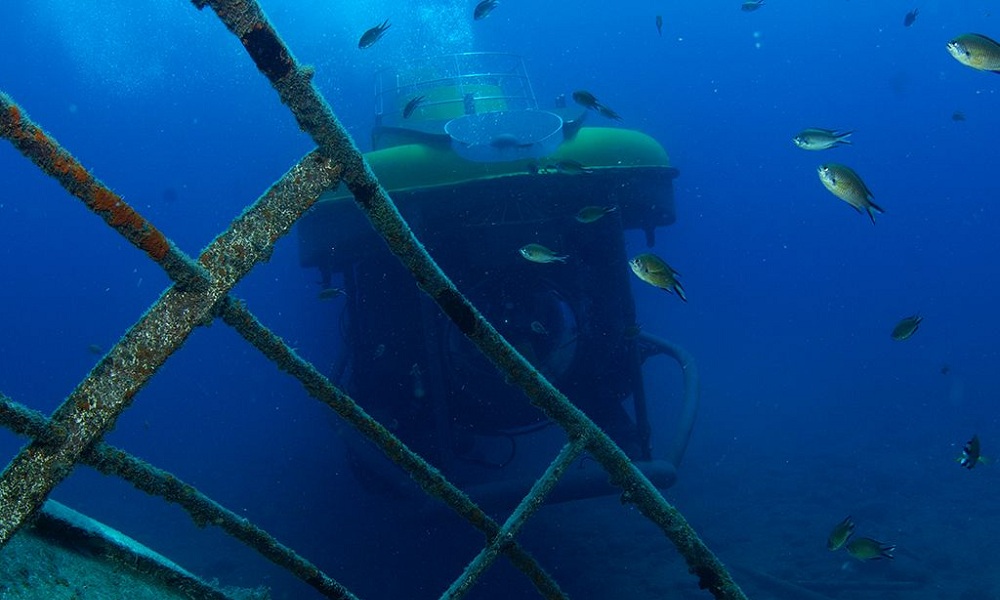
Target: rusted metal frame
<point x="294" y="85"/>
<point x="110" y="460"/>
<point x="43" y="150"/>
<point x="82" y="184"/>
<point x="92" y="408"/>
<point x="235" y="314"/>
<point x="527" y="507"/>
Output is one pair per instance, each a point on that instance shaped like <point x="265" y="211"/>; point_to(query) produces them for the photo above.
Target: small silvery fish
<point x="906" y="327"/>
<point x="659" y="25"/>
<point x="373" y="35"/>
<point x="751" y="5"/>
<point x="866" y="548"/>
<point x="483" y="9"/>
<point x="538" y="253"/>
<point x="976" y="51"/>
<point x="656" y="272"/>
<point x="589" y="214"/>
<point x="838" y="537"/>
<point x="821" y="139"/>
<point x="845" y="184"/>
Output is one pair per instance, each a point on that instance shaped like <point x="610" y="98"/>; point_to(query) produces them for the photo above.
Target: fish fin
<point x="680" y="292"/>
<point x="872" y="209"/>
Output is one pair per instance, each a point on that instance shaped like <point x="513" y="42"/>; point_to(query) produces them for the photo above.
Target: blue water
<point x="791" y="293"/>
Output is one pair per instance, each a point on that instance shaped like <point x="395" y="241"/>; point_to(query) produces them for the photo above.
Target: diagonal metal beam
<point x="246" y="20"/>
<point x="92" y="409"/>
<point x="203" y="510"/>
<point x="45" y="152"/>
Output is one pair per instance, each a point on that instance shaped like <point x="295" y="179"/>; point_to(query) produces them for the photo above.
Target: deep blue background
<point x="791" y="293"/>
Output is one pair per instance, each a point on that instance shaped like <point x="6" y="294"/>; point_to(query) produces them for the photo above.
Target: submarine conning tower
<point x="479" y="170"/>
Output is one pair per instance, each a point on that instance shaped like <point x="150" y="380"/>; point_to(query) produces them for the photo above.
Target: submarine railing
<point x="201" y="292"/>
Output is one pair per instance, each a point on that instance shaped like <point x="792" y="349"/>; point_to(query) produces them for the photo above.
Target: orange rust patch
<point x="155" y="244"/>
<point x="79" y="173"/>
<point x="14" y="113"/>
<point x="103" y="199"/>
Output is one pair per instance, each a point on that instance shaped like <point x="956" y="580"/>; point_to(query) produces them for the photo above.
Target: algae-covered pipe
<point x="246" y="20"/>
<point x="92" y="409"/>
<point x="203" y="510"/>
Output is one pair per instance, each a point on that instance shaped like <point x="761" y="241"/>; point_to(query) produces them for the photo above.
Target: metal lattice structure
<point x="200" y="293"/>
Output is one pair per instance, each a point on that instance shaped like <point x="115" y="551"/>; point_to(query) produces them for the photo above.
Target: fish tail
<point x="842" y="137"/>
<point x="886" y="551"/>
<point x="680" y="291"/>
<point x="873" y="208"/>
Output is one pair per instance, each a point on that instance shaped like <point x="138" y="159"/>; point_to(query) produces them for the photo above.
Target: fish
<point x="971" y="454"/>
<point x="605" y="111"/>
<point x="958" y="116"/>
<point x="840" y="534"/>
<point x="537" y="327"/>
<point x="865" y="548"/>
<point x="412" y="105"/>
<point x="751" y="5"/>
<point x="330" y="293"/>
<point x="656" y="272"/>
<point x="95" y="349"/>
<point x="589" y="214"/>
<point x="815" y="138"/>
<point x="906" y="327"/>
<point x="373" y="35"/>
<point x="538" y="253"/>
<point x="977" y="51"/>
<point x="483" y="9"/>
<point x="945" y="369"/>
<point x="590" y="102"/>
<point x="659" y="25"/>
<point x="845" y="184"/>
<point x="570" y="167"/>
<point x="910" y="17"/>
<point x="586" y="99"/>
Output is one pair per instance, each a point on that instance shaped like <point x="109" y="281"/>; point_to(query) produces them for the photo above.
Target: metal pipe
<point x="246" y="20"/>
<point x="92" y="409"/>
<point x="203" y="510"/>
<point x="692" y="394"/>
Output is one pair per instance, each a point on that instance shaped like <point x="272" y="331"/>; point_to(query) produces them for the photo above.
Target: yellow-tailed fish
<point x="845" y="184"/>
<point x="865" y="548"/>
<point x="540" y="254"/>
<point x="815" y="138"/>
<point x="906" y="327"/>
<point x="838" y="537"/>
<point x="589" y="214"/>
<point x="971" y="454"/>
<point x="656" y="272"/>
<point x="977" y="51"/>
